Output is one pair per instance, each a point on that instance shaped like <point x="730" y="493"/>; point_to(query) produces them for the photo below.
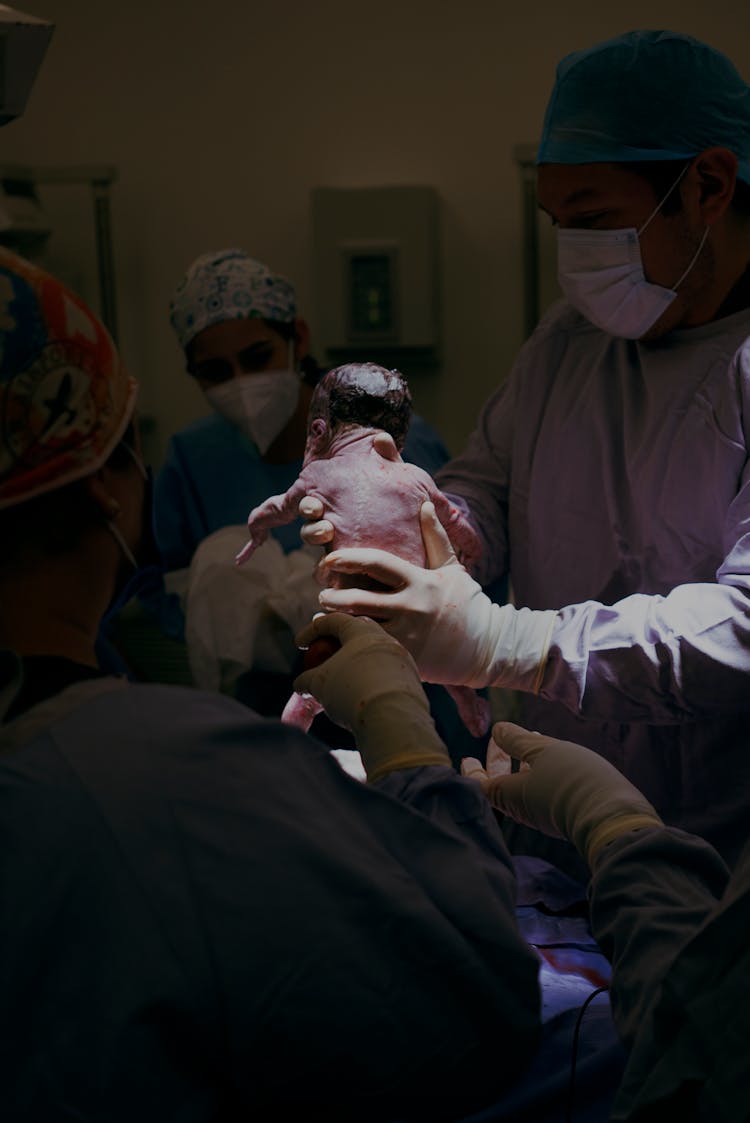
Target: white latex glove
<point x="371" y="687"/>
<point x="563" y="789"/>
<point x="455" y="633"/>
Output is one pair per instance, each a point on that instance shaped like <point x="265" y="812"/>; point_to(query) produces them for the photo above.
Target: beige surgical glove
<point x="563" y="789"/>
<point x="455" y="633"/>
<point x="371" y="687"/>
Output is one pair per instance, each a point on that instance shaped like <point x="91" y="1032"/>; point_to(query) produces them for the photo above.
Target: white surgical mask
<point x="261" y="404"/>
<point x="601" y="274"/>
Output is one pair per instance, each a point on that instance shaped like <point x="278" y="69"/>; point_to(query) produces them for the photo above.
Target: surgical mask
<point x="144" y="569"/>
<point x="260" y="405"/>
<point x="601" y="274"/>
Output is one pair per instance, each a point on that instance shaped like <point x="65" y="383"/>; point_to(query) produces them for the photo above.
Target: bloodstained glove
<point x="371" y="687"/>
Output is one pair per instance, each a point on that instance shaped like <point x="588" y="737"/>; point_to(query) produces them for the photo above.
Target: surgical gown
<point x="206" y="919"/>
<point x="674" y="924"/>
<point x="610" y="479"/>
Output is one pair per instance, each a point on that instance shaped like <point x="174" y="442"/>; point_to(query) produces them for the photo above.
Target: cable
<point x="574" y="1057"/>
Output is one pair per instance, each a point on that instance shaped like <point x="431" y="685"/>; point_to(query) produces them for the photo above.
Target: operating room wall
<point x="221" y="118"/>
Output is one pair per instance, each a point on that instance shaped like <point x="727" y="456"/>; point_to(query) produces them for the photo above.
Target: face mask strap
<point x="663" y="201"/>
<point x="115" y="530"/>
<point x="136" y="459"/>
<point x="117" y="535"/>
<point x="693" y="259"/>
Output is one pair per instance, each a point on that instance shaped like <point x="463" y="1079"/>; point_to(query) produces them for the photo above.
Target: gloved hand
<point x="371" y="687"/>
<point x="563" y="789"/>
<point x="455" y="633"/>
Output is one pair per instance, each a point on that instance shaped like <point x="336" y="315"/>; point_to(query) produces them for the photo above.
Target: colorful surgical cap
<point x="65" y="398"/>
<point x="646" y="95"/>
<point x="228" y="285"/>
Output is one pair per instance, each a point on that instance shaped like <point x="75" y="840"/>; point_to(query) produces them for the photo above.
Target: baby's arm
<point x="463" y="538"/>
<point x="277" y="510"/>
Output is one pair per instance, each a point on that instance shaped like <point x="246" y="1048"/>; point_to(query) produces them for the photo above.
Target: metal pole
<point x="105" y="254"/>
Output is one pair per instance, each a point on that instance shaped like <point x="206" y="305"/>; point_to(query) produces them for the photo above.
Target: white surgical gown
<point x="610" y="478"/>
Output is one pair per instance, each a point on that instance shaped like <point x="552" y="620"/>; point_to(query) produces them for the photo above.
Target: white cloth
<point x="238" y="617"/>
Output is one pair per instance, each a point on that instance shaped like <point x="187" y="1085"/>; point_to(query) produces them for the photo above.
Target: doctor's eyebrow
<point x="583" y="195"/>
<point x="255" y="351"/>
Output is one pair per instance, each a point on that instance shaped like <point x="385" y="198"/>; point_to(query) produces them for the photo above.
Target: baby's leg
<point x="473" y="708"/>
<point x="301" y="710"/>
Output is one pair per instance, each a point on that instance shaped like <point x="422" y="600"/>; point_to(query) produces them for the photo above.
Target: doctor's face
<point x="234" y="349"/>
<point x="612" y="197"/>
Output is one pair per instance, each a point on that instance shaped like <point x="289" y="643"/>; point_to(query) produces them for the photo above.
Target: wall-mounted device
<point x="376" y="271"/>
<point x="23" y="44"/>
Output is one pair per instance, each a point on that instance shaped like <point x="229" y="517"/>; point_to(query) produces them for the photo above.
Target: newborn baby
<point x="370" y="495"/>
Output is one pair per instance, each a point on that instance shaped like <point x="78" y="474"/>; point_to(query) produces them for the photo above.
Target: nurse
<point x="248" y="351"/>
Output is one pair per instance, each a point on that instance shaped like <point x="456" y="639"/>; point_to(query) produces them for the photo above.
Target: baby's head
<point x="361" y="394"/>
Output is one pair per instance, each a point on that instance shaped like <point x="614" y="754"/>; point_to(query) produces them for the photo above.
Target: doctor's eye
<point x="256" y="357"/>
<point x="212" y="371"/>
<point x="587" y="221"/>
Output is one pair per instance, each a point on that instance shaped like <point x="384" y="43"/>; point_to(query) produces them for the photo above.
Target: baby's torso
<point x="371" y="501"/>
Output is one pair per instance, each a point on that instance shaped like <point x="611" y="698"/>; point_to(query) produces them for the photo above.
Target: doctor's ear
<point x="716" y="173"/>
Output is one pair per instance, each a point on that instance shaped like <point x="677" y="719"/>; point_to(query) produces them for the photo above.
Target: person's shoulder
<point x="738" y="330"/>
<point x="424" y="446"/>
<point x="204" y="430"/>
<point x="163" y="728"/>
<point x="209" y="446"/>
<point x="177" y="704"/>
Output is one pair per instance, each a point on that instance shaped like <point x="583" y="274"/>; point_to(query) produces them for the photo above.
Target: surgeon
<point x="204" y="918"/>
<point x="609" y="475"/>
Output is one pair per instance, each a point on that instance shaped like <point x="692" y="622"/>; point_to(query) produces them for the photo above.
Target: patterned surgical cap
<point x="646" y="95"/>
<point x="65" y="397"/>
<point x="228" y="285"/>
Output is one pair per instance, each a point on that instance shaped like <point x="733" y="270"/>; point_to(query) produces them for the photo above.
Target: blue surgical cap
<point x="646" y="95"/>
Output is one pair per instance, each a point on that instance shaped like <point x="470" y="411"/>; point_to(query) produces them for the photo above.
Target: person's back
<point x="184" y="929"/>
